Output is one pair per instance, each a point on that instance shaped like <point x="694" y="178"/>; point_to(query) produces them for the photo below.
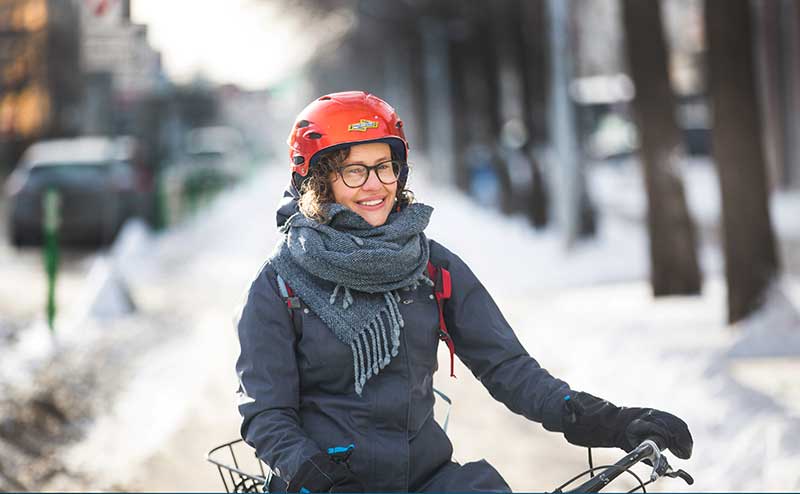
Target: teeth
<point x="371" y="203"/>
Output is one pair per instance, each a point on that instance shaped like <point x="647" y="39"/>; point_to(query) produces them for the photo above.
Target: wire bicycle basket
<point x="234" y="460"/>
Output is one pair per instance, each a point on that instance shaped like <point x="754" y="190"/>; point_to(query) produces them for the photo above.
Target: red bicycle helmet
<point x="339" y="120"/>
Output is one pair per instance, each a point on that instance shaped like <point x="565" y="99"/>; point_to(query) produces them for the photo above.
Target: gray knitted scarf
<point x="348" y="273"/>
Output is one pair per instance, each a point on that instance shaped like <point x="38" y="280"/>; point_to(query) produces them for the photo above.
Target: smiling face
<point x="374" y="200"/>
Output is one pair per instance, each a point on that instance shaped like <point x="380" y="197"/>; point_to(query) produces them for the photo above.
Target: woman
<point x="336" y="392"/>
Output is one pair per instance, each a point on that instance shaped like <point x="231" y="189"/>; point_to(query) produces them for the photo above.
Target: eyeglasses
<point x="355" y="176"/>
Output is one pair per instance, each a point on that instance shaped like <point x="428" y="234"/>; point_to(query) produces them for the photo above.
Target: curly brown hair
<point x="316" y="190"/>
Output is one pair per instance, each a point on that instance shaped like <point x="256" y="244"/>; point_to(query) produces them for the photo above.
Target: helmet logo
<point x="362" y="125"/>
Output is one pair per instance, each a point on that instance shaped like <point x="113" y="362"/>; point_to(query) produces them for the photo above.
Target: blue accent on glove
<point x="341" y="449"/>
<point x="303" y="490"/>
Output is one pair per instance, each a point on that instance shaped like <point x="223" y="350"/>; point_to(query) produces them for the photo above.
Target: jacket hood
<point x="288" y="205"/>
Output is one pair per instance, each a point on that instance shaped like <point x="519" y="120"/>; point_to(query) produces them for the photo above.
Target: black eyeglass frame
<point x="397" y="172"/>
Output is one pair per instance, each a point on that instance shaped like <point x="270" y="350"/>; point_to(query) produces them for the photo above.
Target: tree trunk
<point x="772" y="90"/>
<point x="419" y="91"/>
<point x="459" y="104"/>
<point x="440" y="122"/>
<point x="673" y="257"/>
<point x="485" y="44"/>
<point x="751" y="261"/>
<point x="529" y="40"/>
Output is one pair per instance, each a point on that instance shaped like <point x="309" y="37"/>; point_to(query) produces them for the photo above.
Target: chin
<point x="377" y="219"/>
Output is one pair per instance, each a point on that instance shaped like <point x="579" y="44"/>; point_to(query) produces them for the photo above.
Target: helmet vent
<point x="325" y="98"/>
<point x="298" y="160"/>
<point x="303" y="123"/>
<point x="313" y="135"/>
<point x="399" y="124"/>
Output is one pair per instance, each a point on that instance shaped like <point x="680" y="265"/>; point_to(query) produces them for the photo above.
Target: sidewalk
<point x="763" y="357"/>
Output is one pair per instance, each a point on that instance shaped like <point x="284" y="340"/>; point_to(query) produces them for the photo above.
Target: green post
<point x="51" y="203"/>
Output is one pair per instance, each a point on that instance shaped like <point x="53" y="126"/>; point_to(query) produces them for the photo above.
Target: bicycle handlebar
<point x="647" y="450"/>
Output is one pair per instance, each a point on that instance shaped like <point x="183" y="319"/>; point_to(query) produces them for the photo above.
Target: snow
<point x="587" y="314"/>
<point x="589" y="317"/>
<point x="702" y="194"/>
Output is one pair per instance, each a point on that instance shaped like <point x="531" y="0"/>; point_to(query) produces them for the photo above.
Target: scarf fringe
<point x="347" y="299"/>
<point x="423" y="278"/>
<point x="371" y="349"/>
<point x="386" y="353"/>
<point x="369" y="355"/>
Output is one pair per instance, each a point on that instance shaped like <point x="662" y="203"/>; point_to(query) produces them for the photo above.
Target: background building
<point x="40" y="76"/>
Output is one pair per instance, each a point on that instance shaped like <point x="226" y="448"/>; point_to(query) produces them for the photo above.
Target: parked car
<point x="94" y="178"/>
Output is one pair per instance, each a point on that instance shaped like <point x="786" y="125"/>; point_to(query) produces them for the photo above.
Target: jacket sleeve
<point x="487" y="345"/>
<point x="268" y="394"/>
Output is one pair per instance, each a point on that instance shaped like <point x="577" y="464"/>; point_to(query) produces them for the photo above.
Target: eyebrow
<point x="379" y="160"/>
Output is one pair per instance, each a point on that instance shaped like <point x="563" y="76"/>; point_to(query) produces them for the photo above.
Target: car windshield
<point x="69" y="174"/>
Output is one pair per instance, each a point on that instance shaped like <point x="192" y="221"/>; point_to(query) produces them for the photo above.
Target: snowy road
<point x="23" y="284"/>
<point x="586" y="315"/>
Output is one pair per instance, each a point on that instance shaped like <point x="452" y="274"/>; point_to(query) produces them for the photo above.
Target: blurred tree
<point x="776" y="26"/>
<point x="418" y="92"/>
<point x="458" y="50"/>
<point x="526" y="48"/>
<point x="441" y="67"/>
<point x="475" y="100"/>
<point x="751" y="260"/>
<point x="436" y="89"/>
<point x="673" y="257"/>
<point x="519" y="44"/>
<point x="485" y="46"/>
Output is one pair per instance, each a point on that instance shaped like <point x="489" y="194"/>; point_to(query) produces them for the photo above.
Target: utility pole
<point x="570" y="189"/>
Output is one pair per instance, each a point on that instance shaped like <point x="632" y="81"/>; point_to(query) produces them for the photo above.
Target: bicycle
<point x="240" y="480"/>
<point x="648" y="450"/>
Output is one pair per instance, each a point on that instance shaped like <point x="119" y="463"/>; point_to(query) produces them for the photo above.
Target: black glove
<point x="325" y="473"/>
<point x="594" y="422"/>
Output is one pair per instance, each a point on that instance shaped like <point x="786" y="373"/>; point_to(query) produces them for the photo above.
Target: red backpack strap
<point x="287" y="293"/>
<point x="442" y="289"/>
<point x="292" y="302"/>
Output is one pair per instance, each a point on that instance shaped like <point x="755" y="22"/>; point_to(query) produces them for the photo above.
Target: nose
<point x="372" y="182"/>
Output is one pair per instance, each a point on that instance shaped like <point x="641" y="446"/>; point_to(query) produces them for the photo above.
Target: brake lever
<point x="657" y="460"/>
<point x="662" y="468"/>
<point x="683" y="474"/>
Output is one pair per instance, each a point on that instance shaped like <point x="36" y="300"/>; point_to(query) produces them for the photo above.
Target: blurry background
<point x="623" y="175"/>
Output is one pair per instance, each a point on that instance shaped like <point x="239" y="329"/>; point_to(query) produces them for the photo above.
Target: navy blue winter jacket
<point x="297" y="397"/>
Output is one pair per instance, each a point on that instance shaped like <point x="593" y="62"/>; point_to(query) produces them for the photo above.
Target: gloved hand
<point x="594" y="422"/>
<point x="325" y="473"/>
